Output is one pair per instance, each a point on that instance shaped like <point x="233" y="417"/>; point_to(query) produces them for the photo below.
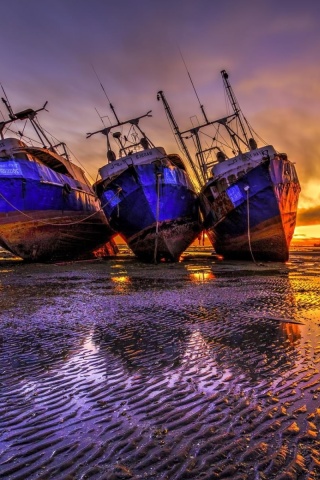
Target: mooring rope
<point x="247" y="188"/>
<point x="157" y="218"/>
<point x="61" y="224"/>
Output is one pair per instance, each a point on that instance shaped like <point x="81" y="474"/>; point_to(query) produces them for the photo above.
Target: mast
<point x="195" y="91"/>
<point x="133" y="121"/>
<point x="7" y="104"/>
<point x="144" y="141"/>
<point x="28" y="114"/>
<point x="200" y="151"/>
<point x="237" y="140"/>
<point x="234" y="103"/>
<point x="103" y="89"/>
<point x="173" y="123"/>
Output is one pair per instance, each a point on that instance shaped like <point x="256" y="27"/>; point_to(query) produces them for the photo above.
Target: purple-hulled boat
<point x="48" y="209"/>
<point x="249" y="199"/>
<point x="147" y="195"/>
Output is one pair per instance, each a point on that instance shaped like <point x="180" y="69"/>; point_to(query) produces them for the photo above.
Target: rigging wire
<point x="101" y="118"/>
<point x="106" y="95"/>
<point x="194" y="88"/>
<point x="24" y="126"/>
<point x="7" y="103"/>
<point x="259" y="137"/>
<point x="252" y="132"/>
<point x="103" y="89"/>
<point x="222" y="142"/>
<point x="69" y="150"/>
<point x="181" y="150"/>
<point x="81" y="165"/>
<point x="2" y="115"/>
<point x="31" y="140"/>
<point x="248" y="125"/>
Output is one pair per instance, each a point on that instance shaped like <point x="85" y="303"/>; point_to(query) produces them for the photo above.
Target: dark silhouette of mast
<point x="28" y="114"/>
<point x="173" y="123"/>
<point x="195" y="91"/>
<point x="234" y="103"/>
<point x="103" y="89"/>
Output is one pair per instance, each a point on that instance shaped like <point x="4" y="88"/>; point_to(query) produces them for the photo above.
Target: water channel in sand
<point x="198" y="370"/>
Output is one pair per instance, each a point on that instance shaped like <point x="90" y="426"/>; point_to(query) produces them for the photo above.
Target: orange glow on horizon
<point x="308" y="234"/>
<point x="302" y="235"/>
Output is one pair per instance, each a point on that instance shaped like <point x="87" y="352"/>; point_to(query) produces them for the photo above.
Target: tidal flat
<point x="205" y="369"/>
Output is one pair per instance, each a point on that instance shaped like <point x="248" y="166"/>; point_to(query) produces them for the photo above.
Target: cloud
<point x="309" y="216"/>
<point x="134" y="47"/>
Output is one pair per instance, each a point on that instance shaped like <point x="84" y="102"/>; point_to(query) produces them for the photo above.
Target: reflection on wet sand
<point x="109" y="370"/>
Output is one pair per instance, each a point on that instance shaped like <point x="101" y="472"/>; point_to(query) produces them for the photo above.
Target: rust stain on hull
<point x="269" y="241"/>
<point x="172" y="240"/>
<point x="51" y="238"/>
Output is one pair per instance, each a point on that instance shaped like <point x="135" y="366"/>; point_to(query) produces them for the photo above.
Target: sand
<point x="113" y="369"/>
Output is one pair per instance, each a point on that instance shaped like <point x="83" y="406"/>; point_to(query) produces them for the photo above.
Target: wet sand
<point x="113" y="369"/>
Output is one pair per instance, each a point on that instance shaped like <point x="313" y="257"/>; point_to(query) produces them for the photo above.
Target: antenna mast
<point x="110" y="104"/>
<point x="194" y="89"/>
<point x="234" y="103"/>
<point x="7" y="104"/>
<point x="173" y="123"/>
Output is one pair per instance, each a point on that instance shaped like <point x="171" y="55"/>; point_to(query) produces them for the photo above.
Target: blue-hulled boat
<point x="48" y="209"/>
<point x="147" y="195"/>
<point x="250" y="205"/>
<point x="250" y="198"/>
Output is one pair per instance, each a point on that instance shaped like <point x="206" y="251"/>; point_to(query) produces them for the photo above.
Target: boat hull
<point x="155" y="209"/>
<point x="47" y="216"/>
<point x="53" y="237"/>
<point x="256" y="216"/>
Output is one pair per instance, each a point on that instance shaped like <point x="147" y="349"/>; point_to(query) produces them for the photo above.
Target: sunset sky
<point x="51" y="50"/>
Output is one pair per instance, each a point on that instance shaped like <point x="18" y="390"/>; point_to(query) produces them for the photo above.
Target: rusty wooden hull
<point x="172" y="240"/>
<point x="255" y="217"/>
<point x="52" y="237"/>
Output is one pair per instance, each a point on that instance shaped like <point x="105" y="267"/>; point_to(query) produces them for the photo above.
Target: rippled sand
<point x="112" y="369"/>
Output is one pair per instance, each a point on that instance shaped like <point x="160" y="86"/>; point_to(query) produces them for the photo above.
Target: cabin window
<point x="6" y="155"/>
<point x="241" y="173"/>
<point x="222" y="184"/>
<point x="214" y="191"/>
<point x="231" y="178"/>
<point x="20" y="156"/>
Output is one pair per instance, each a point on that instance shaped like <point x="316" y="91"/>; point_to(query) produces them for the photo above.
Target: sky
<point x="62" y="51"/>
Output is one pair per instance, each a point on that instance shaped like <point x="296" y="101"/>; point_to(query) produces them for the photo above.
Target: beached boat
<point x="147" y="195"/>
<point x="48" y="209"/>
<point x="250" y="205"/>
<point x="249" y="198"/>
